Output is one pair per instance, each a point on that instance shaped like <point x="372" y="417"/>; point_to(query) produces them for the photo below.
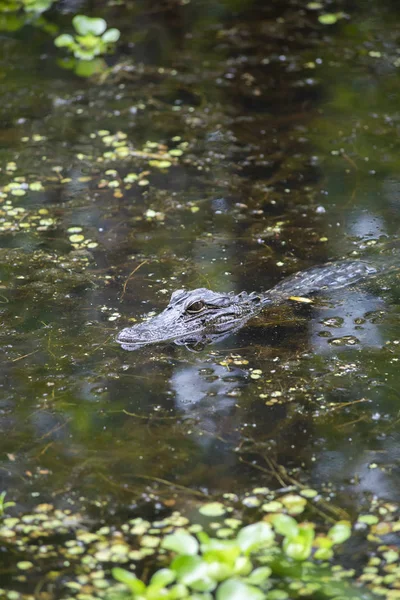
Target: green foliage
<point x="3" y="504"/>
<point x="330" y="18"/>
<point x="29" y="6"/>
<point x="92" y="38"/>
<point x="15" y="14"/>
<point x="244" y="567"/>
<point x="36" y="6"/>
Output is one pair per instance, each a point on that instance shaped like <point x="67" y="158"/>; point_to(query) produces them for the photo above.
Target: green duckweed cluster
<point x="21" y="206"/>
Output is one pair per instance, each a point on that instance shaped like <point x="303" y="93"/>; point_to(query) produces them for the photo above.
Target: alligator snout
<point x="134" y="335"/>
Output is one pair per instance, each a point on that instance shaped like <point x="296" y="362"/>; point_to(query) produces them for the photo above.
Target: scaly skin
<point x="201" y="316"/>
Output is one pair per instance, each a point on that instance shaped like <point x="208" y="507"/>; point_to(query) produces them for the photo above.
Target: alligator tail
<point x="328" y="277"/>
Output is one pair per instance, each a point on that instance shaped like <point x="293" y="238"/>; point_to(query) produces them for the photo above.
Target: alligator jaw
<point x="195" y="317"/>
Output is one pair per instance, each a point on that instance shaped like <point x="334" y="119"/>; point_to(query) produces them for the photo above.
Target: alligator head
<point x="193" y="319"/>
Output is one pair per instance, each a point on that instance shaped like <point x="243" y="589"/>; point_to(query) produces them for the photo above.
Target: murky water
<point x="282" y="139"/>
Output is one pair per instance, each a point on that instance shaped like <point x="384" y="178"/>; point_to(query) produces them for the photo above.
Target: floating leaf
<point x="181" y="542"/>
<point x="255" y="536"/>
<point x="340" y="532"/>
<point x="309" y="493"/>
<point x="368" y="519"/>
<point x="162" y="578"/>
<point x="212" y="509"/>
<point x="235" y="589"/>
<point x="294" y="503"/>
<point x="76" y="238"/>
<point x="129" y="579"/>
<point x="193" y="571"/>
<point x="111" y="35"/>
<point x="84" y="25"/>
<point x="24" y="565"/>
<point x="323" y="554"/>
<point x="222" y="551"/>
<point x="327" y="19"/>
<point x="285" y="525"/>
<point x="299" y="547"/>
<point x="64" y="40"/>
<point x="259" y="576"/>
<point x="272" y="506"/>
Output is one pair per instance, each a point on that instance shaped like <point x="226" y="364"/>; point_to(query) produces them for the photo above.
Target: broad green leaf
<point x="219" y="571"/>
<point x="84" y="25"/>
<point x="299" y="547"/>
<point x="235" y="589"/>
<point x="285" y="525"/>
<point x="255" y="536"/>
<point x="162" y="578"/>
<point x="176" y="592"/>
<point x="129" y="579"/>
<point x="212" y="509"/>
<point x="323" y="554"/>
<point x="224" y="551"/>
<point x="111" y="35"/>
<point x="64" y="40"/>
<point x="259" y="576"/>
<point x="243" y="566"/>
<point x="340" y="532"/>
<point x="323" y="541"/>
<point x="181" y="542"/>
<point x="88" y="42"/>
<point x="38" y="6"/>
<point x="193" y="572"/>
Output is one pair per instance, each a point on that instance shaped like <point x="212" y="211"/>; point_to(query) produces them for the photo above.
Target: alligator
<point x="201" y="316"/>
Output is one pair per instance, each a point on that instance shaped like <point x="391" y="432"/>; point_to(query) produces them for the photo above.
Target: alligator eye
<point x="196" y="307"/>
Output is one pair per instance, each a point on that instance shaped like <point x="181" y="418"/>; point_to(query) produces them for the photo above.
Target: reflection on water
<point x="347" y="323"/>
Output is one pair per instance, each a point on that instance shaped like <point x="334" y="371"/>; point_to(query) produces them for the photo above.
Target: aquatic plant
<point x="15" y="14"/>
<point x="3" y="504"/>
<point x="92" y="38"/>
<point x="256" y="564"/>
<point x="29" y="6"/>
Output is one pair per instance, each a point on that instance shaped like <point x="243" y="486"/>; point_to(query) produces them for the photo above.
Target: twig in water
<point x="130" y="275"/>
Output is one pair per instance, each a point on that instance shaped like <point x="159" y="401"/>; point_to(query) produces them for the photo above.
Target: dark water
<point x="285" y="154"/>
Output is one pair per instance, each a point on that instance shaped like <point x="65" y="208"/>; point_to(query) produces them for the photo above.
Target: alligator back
<point x="329" y="277"/>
